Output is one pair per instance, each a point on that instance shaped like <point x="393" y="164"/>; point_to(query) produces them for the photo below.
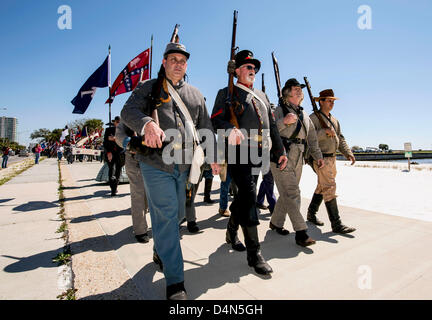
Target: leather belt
<point x="295" y="140"/>
<point x="328" y="155"/>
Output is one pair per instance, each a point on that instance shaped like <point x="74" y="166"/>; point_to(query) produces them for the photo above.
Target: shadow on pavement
<point x="35" y="205"/>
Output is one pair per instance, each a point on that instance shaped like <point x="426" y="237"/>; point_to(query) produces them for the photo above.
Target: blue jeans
<point x="224" y="189"/>
<point x="166" y="195"/>
<point x="5" y="160"/>
<point x="37" y="155"/>
<point x="266" y="190"/>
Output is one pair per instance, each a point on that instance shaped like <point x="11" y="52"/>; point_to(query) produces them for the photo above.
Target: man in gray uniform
<point x="164" y="181"/>
<point x="297" y="133"/>
<point x="330" y="140"/>
<point x="139" y="205"/>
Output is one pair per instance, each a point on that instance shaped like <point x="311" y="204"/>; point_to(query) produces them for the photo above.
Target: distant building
<point x="8" y="128"/>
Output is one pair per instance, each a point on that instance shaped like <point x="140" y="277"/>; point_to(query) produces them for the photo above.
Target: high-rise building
<point x="8" y="128"/>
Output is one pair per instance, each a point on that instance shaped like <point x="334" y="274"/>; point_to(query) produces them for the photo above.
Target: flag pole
<point x="151" y="56"/>
<point x="109" y="81"/>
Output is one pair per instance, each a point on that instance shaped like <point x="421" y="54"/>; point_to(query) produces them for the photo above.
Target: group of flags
<point x="135" y="71"/>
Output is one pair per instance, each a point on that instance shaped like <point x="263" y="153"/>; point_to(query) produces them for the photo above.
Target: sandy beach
<point x="384" y="187"/>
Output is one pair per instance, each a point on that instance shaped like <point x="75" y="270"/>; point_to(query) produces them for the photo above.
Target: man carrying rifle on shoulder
<point x="330" y="140"/>
<point x="297" y="133"/>
<point x="251" y="109"/>
<point x="165" y="182"/>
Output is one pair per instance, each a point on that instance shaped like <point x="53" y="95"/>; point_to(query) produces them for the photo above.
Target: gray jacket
<point x="137" y="112"/>
<point x="307" y="132"/>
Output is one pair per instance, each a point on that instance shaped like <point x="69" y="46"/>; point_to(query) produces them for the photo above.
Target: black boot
<point x="176" y="291"/>
<point x="207" y="190"/>
<point x="336" y="223"/>
<point x="254" y="257"/>
<point x="302" y="239"/>
<point x="157" y="260"/>
<point x="313" y="209"/>
<point x="231" y="236"/>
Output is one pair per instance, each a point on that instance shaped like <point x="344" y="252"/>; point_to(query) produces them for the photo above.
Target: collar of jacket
<point x="179" y="85"/>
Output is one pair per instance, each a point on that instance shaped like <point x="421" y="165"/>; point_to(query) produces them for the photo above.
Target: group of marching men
<point x="168" y="102"/>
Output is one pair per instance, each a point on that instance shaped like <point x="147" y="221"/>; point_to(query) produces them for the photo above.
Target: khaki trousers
<point x="139" y="204"/>
<point x="326" y="179"/>
<point x="287" y="182"/>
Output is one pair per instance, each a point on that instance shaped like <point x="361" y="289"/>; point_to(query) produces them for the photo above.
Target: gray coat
<point x="137" y="112"/>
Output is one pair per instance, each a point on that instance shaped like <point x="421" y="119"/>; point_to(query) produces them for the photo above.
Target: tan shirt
<point x="330" y="144"/>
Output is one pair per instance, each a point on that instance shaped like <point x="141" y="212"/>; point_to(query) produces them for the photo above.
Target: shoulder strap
<point x="252" y="93"/>
<point x="328" y="118"/>
<point x="174" y="94"/>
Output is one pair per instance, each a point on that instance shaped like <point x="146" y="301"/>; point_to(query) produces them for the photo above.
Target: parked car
<point x="23" y="153"/>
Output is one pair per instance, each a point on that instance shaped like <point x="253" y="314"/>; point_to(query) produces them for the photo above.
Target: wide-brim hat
<point x="293" y="83"/>
<point x="173" y="47"/>
<point x="244" y="57"/>
<point x="326" y="94"/>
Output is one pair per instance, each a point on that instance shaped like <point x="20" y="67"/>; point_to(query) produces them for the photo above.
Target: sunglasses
<point x="251" y="68"/>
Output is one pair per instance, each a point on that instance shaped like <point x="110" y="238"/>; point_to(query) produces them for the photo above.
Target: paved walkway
<point x="28" y="238"/>
<point x="388" y="257"/>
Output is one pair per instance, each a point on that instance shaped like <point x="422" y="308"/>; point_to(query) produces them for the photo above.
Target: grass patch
<point x="68" y="295"/>
<point x="63" y="257"/>
<point x="29" y="163"/>
<point x="62" y="228"/>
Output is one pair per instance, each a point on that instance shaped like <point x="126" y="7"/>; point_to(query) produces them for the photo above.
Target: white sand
<point x="384" y="187"/>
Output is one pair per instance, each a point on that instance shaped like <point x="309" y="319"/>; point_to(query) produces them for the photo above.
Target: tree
<point x="383" y="147"/>
<point x="93" y="124"/>
<point x="41" y="134"/>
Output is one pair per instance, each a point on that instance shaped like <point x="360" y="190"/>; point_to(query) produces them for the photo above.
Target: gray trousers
<point x="287" y="182"/>
<point x="139" y="206"/>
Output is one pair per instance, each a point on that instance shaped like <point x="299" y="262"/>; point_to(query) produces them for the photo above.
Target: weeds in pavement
<point x="68" y="295"/>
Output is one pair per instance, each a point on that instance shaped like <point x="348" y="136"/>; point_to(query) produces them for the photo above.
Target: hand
<point x="111" y="138"/>
<point x="290" y="118"/>
<point x="109" y="156"/>
<point x="320" y="163"/>
<point x="330" y="132"/>
<point x="153" y="135"/>
<point x="231" y="67"/>
<point x="283" y="160"/>
<point x="352" y="158"/>
<point x="235" y="137"/>
<point x="216" y="168"/>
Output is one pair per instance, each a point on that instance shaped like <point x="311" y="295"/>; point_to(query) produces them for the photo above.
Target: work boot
<point x="313" y="209"/>
<point x="207" y="190"/>
<point x="336" y="223"/>
<point x="231" y="236"/>
<point x="282" y="231"/>
<point x="192" y="227"/>
<point x="302" y="239"/>
<point x="224" y="212"/>
<point x="254" y="256"/>
<point x="176" y="291"/>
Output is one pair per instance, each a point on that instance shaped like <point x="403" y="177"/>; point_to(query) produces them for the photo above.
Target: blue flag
<point x="99" y="79"/>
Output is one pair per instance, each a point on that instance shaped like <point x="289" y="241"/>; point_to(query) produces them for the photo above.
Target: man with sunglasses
<point x="330" y="140"/>
<point x="256" y="130"/>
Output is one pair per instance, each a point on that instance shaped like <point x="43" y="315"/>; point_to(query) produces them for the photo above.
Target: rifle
<point x="230" y="100"/>
<point x="314" y="106"/>
<point x="277" y="78"/>
<point x="262" y="83"/>
<point x="174" y="36"/>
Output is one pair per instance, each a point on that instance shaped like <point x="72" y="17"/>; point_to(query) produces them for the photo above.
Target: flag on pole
<point x="64" y="134"/>
<point x="135" y="71"/>
<point x="99" y="79"/>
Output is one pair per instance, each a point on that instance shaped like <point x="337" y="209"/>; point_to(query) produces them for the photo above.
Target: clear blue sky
<point x="382" y="76"/>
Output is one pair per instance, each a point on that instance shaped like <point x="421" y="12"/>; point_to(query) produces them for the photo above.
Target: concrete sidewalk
<point x="388" y="257"/>
<point x="28" y="238"/>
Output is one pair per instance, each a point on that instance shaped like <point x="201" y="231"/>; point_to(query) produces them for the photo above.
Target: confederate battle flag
<point x="129" y="77"/>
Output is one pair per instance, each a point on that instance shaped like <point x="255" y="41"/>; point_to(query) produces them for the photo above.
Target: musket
<point x="233" y="118"/>
<point x="262" y="83"/>
<point x="314" y="105"/>
<point x="174" y="36"/>
<point x="277" y="78"/>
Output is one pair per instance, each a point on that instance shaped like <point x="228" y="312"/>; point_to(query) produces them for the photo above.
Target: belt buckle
<point x="257" y="138"/>
<point x="177" y="146"/>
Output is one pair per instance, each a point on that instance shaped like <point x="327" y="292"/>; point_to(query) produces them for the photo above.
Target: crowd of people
<point x="285" y="134"/>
